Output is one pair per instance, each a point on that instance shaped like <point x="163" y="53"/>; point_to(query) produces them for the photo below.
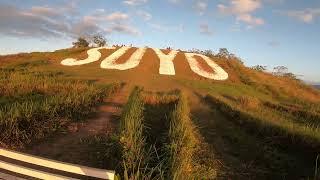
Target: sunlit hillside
<point x="142" y="124"/>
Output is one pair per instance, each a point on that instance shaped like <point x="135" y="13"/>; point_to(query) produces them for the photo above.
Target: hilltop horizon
<point x="160" y="113"/>
<point x="261" y="32"/>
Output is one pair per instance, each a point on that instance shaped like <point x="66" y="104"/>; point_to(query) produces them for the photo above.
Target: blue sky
<point x="266" y="32"/>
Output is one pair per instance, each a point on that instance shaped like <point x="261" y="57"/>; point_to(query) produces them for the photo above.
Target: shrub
<point x="81" y="43"/>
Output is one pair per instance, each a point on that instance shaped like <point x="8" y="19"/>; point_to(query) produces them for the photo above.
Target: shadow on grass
<point x="245" y="153"/>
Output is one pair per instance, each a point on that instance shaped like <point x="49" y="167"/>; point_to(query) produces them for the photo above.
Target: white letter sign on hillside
<point x="93" y="55"/>
<point x="132" y="62"/>
<point x="219" y="73"/>
<point x="166" y="62"/>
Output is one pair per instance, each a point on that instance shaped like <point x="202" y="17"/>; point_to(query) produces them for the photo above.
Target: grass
<point x="273" y="124"/>
<point x="183" y="143"/>
<point x="36" y="103"/>
<point x="132" y="138"/>
<point x="157" y="139"/>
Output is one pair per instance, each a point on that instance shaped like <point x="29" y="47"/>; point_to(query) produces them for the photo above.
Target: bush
<point x="99" y="40"/>
<point x="81" y="43"/>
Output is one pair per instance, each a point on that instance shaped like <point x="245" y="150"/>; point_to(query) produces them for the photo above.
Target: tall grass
<point x="182" y="159"/>
<point x="278" y="127"/>
<point x="159" y="139"/>
<point x="35" y="103"/>
<point x="182" y="142"/>
<point x="132" y="138"/>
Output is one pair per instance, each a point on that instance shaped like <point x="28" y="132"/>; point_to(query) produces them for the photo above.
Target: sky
<point x="264" y="32"/>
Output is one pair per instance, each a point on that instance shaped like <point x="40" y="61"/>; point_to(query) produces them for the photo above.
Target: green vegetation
<point x="159" y="139"/>
<point x="35" y="103"/>
<point x="277" y="125"/>
<point x="132" y="138"/>
<point x="255" y="125"/>
<point x="183" y="144"/>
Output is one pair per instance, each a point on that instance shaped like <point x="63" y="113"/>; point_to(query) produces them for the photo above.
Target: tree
<point x="99" y="40"/>
<point x="223" y="52"/>
<point x="80" y="43"/>
<point x="208" y="53"/>
<point x="290" y="75"/>
<point x="259" y="68"/>
<point x="280" y="70"/>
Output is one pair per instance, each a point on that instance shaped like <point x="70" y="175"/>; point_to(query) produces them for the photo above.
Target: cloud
<point x="243" y="10"/>
<point x="60" y="22"/>
<point x="117" y="16"/>
<point x="46" y="11"/>
<point x="123" y="28"/>
<point x="204" y="29"/>
<point x="134" y="2"/>
<point x="101" y="17"/>
<point x="145" y="15"/>
<point x="200" y="6"/>
<point x="159" y="27"/>
<point x="166" y="28"/>
<point x="307" y="15"/>
<point x="16" y="22"/>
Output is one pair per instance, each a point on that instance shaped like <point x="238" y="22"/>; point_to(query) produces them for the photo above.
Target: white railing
<point x="51" y="164"/>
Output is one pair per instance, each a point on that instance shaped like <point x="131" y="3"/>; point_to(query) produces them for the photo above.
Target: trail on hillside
<point x="66" y="147"/>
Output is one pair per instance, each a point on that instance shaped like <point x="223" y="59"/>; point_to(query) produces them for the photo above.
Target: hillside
<point x="249" y="125"/>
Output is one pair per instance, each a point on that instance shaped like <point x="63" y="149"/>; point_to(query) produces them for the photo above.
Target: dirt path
<point x="67" y="147"/>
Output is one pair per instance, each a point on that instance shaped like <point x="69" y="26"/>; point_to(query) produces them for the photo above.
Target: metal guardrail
<point x="51" y="164"/>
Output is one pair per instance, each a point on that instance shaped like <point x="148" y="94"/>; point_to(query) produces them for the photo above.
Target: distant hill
<point x="317" y="86"/>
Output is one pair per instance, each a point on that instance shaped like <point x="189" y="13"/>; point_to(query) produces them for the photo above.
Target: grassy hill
<point x="253" y="125"/>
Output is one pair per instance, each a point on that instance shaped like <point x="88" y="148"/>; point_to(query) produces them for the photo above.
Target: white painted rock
<point x="93" y="55"/>
<point x="219" y="73"/>
<point x="166" y="62"/>
<point x="132" y="62"/>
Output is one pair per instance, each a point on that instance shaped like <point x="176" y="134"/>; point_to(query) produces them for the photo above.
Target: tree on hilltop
<point x="223" y="52"/>
<point x="259" y="68"/>
<point x="81" y="43"/>
<point x="99" y="40"/>
<point x="280" y="70"/>
<point x="208" y="53"/>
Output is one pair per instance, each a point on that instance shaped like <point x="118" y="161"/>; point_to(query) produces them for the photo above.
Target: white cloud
<point x="46" y="11"/>
<point x="307" y="15"/>
<point x="60" y="22"/>
<point x="205" y="29"/>
<point x="117" y="16"/>
<point x="134" y="2"/>
<point x="145" y="15"/>
<point x="166" y="28"/>
<point x="243" y="10"/>
<point x="159" y="27"/>
<point x="123" y="28"/>
<point x="200" y="6"/>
